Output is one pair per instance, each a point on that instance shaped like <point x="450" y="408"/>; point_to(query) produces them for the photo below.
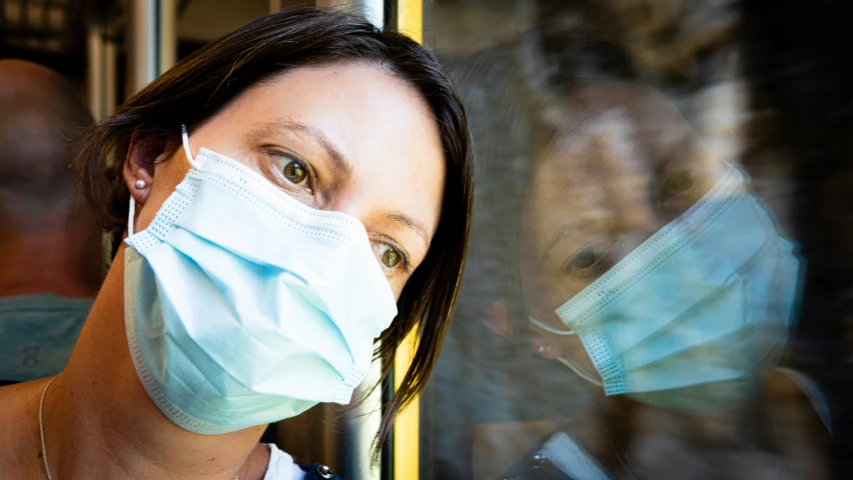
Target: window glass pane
<point x="650" y="290"/>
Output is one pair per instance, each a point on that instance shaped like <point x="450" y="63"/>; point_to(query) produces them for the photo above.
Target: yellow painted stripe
<point x="410" y="19"/>
<point x="407" y="427"/>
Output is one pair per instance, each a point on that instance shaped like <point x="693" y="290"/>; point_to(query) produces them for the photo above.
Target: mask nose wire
<point x="185" y="139"/>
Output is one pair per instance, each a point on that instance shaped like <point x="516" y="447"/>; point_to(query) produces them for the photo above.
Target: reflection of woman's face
<point x="349" y="138"/>
<point x="625" y="164"/>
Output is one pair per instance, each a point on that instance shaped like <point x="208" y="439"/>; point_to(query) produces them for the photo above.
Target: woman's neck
<point x="100" y="422"/>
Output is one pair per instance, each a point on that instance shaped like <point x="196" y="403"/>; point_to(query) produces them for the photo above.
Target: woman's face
<point x="350" y="138"/>
<point x="622" y="164"/>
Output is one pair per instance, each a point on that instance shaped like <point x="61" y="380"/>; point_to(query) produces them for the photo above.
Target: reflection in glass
<point x="634" y="300"/>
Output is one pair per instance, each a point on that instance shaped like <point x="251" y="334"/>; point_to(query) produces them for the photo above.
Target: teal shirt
<point x="38" y="333"/>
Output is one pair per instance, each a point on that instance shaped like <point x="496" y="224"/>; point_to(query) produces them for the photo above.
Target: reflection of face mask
<point x="244" y="306"/>
<point x="692" y="317"/>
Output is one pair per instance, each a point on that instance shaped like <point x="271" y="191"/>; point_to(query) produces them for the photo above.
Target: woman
<point x="665" y="359"/>
<point x="652" y="271"/>
<point x="286" y="194"/>
<point x="664" y="283"/>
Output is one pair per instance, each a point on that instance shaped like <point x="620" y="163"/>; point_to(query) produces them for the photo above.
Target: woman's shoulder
<point x="283" y="467"/>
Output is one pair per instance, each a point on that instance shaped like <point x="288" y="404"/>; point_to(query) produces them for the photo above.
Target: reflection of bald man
<point x="50" y="247"/>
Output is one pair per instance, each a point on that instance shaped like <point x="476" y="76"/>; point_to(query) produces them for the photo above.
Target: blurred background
<point x="596" y="124"/>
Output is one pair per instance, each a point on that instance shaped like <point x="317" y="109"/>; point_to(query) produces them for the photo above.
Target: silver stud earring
<point x="140" y="184"/>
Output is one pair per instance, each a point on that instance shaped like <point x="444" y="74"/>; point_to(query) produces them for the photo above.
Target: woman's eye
<point x="592" y="260"/>
<point x="391" y="258"/>
<point x="678" y="184"/>
<point x="388" y="256"/>
<point x="288" y="171"/>
<point x="295" y="172"/>
<point x="678" y="192"/>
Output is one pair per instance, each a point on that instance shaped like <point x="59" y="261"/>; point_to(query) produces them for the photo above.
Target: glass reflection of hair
<point x="218" y="92"/>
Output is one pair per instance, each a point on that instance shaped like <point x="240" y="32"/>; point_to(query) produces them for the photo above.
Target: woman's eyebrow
<point x="340" y="163"/>
<point x="566" y="232"/>
<point x="407" y="221"/>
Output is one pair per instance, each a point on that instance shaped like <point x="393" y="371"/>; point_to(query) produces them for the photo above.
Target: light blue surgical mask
<point x="694" y="316"/>
<point x="244" y="306"/>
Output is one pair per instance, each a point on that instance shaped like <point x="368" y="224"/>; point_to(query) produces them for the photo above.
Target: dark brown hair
<point x="201" y="85"/>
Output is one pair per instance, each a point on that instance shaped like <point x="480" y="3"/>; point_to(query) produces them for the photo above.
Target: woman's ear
<point x="497" y="320"/>
<point x="143" y="154"/>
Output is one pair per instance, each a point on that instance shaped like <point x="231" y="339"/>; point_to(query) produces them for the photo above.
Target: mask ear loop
<point x="131" y="210"/>
<point x="565" y="361"/>
<point x="589" y="378"/>
<point x="549" y="328"/>
<point x="185" y="139"/>
<point x="131" y="213"/>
